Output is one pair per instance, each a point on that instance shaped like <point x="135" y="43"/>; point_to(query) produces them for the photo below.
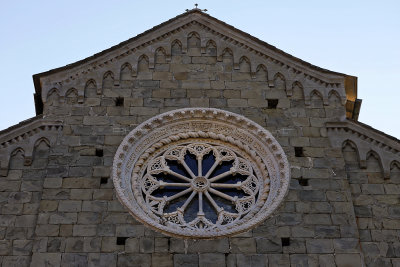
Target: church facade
<point x="196" y="144"/>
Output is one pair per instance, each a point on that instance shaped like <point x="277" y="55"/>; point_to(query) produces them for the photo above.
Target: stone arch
<point x="143" y="63"/>
<point x="211" y="48"/>
<point x="334" y="98"/>
<point x="279" y="81"/>
<point x="227" y="53"/>
<point x="227" y="59"/>
<point x="193" y="40"/>
<point x="108" y="79"/>
<point x="40" y="153"/>
<point x="351" y="155"/>
<point x="244" y="64"/>
<point x="297" y="91"/>
<point x="53" y="97"/>
<point x="374" y="167"/>
<point x="316" y="99"/>
<point x="261" y="73"/>
<point x="90" y="88"/>
<point x="176" y="48"/>
<point x="395" y="172"/>
<point x="71" y="96"/>
<point x="160" y="56"/>
<point x="126" y="72"/>
<point x="17" y="159"/>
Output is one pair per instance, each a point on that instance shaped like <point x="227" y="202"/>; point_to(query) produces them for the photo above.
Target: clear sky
<point x="360" y="38"/>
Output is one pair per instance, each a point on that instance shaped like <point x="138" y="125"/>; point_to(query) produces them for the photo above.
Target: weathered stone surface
<point x="186" y="260"/>
<point x="74" y="259"/>
<point x="211" y="260"/>
<point x="139" y="260"/>
<point x="319" y="246"/>
<point x="265" y="245"/>
<point x="243" y="245"/>
<point x="102" y="260"/>
<point x="348" y="260"/>
<point x="46" y="259"/>
<point x="162" y="260"/>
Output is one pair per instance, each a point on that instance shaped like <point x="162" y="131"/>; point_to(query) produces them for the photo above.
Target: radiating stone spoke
<point x="212" y="169"/>
<point x="217" y="208"/>
<point x="187" y="202"/>
<point x="223" y="195"/>
<point x="183" y="163"/>
<point x="220" y="176"/>
<point x="178" y="194"/>
<point x="200" y="213"/>
<point x="163" y="184"/>
<point x="199" y="167"/>
<point x="180" y="176"/>
<point x="216" y="185"/>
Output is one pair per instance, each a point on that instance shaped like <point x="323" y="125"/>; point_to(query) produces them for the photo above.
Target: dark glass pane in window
<point x="176" y="167"/>
<point x="223" y="167"/>
<point x="167" y="191"/>
<point x="191" y="161"/>
<point x="192" y="209"/>
<point x="224" y="203"/>
<point x="175" y="204"/>
<point x="208" y="162"/>
<point x="209" y="210"/>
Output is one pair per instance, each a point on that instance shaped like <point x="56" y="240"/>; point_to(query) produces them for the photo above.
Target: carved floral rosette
<point x="200" y="173"/>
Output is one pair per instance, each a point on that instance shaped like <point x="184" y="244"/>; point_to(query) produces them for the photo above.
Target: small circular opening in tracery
<point x="200" y="184"/>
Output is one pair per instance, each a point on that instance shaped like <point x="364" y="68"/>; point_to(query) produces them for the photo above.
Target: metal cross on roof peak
<point x="196" y="8"/>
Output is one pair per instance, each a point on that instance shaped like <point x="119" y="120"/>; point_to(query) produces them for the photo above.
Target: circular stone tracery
<point x="223" y="185"/>
<point x="200" y="173"/>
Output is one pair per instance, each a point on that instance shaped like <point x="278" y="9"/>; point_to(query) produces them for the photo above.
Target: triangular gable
<point x="220" y="29"/>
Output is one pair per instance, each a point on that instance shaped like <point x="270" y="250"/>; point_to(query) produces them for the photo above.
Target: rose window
<point x="200" y="173"/>
<point x="200" y="185"/>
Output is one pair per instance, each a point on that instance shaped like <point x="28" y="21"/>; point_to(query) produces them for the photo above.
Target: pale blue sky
<point x="360" y="38"/>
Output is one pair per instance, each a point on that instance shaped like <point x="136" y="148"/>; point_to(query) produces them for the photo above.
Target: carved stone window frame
<point x="148" y="149"/>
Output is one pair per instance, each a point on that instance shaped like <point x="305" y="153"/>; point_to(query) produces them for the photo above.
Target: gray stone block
<point x="186" y="260"/>
<point x="266" y="245"/>
<point x="162" y="260"/>
<point x="128" y="230"/>
<point x="319" y="246"/>
<point x="20" y="261"/>
<point x="146" y="245"/>
<point x="242" y="245"/>
<point x="46" y="259"/>
<point x="102" y="260"/>
<point x="211" y="260"/>
<point x="74" y="259"/>
<point x="348" y="260"/>
<point x="140" y="260"/>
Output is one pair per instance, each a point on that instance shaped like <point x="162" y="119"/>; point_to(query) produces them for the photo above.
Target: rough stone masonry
<point x="58" y="203"/>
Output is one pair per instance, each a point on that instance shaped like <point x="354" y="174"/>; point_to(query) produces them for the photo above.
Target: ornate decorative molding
<point x="24" y="138"/>
<point x="201" y="21"/>
<point x="366" y="139"/>
<point x="200" y="173"/>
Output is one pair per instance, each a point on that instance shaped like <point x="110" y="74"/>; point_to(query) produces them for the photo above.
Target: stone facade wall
<point x="61" y="209"/>
<point x="376" y="206"/>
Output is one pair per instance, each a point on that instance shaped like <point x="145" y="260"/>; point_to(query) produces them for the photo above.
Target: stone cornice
<point x="368" y="134"/>
<point x="366" y="139"/>
<point x="24" y="131"/>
